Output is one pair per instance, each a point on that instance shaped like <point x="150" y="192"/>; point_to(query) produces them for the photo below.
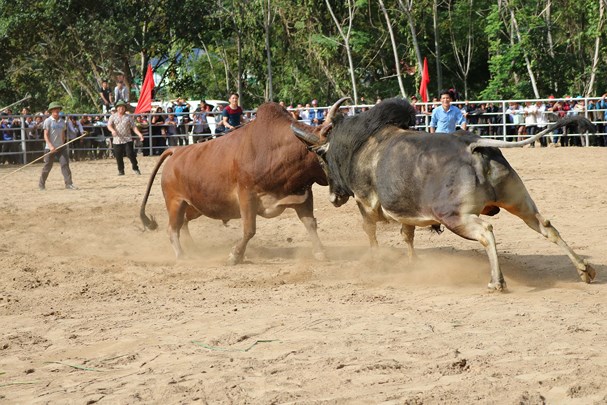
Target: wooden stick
<point x="46" y="154"/>
<point x="27" y="96"/>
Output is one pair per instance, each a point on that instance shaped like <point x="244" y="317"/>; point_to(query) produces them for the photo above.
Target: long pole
<point x="27" y="97"/>
<point x="46" y="154"/>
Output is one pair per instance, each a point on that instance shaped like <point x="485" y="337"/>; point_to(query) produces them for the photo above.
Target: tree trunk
<point x="144" y="54"/>
<point x="211" y="68"/>
<point x="597" y="46"/>
<point x="267" y="26"/>
<point x="549" y="40"/>
<point x="526" y="55"/>
<point x="346" y="39"/>
<point x="238" y="20"/>
<point x="394" y="50"/>
<point x="408" y="10"/>
<point x="463" y="56"/>
<point x="439" y="70"/>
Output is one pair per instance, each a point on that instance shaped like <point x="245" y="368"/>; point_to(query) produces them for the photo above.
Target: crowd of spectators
<point x="518" y="121"/>
<point x="179" y="124"/>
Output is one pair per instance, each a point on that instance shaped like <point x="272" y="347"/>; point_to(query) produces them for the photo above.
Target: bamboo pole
<point x="46" y="154"/>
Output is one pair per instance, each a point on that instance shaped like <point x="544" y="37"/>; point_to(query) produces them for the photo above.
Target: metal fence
<point x="22" y="137"/>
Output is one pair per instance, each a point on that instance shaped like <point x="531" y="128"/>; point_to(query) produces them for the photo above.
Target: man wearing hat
<point x="120" y="125"/>
<point x="54" y="135"/>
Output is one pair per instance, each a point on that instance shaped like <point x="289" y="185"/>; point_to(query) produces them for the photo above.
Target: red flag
<point x="145" y="97"/>
<point x="423" y="86"/>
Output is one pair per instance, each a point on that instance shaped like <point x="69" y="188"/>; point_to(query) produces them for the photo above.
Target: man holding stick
<point x="54" y="135"/>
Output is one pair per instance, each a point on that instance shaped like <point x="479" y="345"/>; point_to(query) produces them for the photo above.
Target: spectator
<point x="144" y="127"/>
<point x="446" y="117"/>
<point x="121" y="125"/>
<point x="170" y="129"/>
<point x="182" y="114"/>
<point x="219" y="127"/>
<point x="232" y="114"/>
<point x="37" y="136"/>
<point x="158" y="132"/>
<point x="200" y="127"/>
<point x="305" y="114"/>
<point x="315" y="114"/>
<point x="121" y="93"/>
<point x="100" y="139"/>
<point x="554" y="112"/>
<point x="578" y="107"/>
<point x="105" y="96"/>
<point x="8" y="146"/>
<point x="55" y="136"/>
<point x="516" y="117"/>
<point x="598" y="113"/>
<point x="419" y="117"/>
<point x="296" y="113"/>
<point x="541" y="121"/>
<point x="74" y="130"/>
<point x="530" y="114"/>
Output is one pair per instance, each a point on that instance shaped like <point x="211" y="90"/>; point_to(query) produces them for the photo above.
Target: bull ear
<point x="306" y="137"/>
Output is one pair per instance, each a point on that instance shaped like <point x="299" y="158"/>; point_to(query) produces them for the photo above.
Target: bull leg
<point x="474" y="228"/>
<point x="408" y="232"/>
<point x="523" y="207"/>
<point x="305" y="212"/>
<point x="248" y="213"/>
<point x="176" y="211"/>
<point x="543" y="226"/>
<point x="369" y="226"/>
<point x="187" y="236"/>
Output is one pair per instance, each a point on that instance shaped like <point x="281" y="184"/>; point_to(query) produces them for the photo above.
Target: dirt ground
<point x="93" y="309"/>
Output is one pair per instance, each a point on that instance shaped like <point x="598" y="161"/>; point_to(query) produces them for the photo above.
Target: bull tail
<point x="150" y="223"/>
<point x="584" y="125"/>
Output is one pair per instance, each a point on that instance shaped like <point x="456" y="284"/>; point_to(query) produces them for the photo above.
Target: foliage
<point x="62" y="49"/>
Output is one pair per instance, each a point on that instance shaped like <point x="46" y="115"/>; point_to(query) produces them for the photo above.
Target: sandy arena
<point x="94" y="310"/>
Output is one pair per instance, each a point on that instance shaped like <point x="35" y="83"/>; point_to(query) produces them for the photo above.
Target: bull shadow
<point x="435" y="266"/>
<point x="441" y="266"/>
<point x="334" y="253"/>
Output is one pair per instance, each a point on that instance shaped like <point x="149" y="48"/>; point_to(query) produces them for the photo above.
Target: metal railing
<point x="22" y="139"/>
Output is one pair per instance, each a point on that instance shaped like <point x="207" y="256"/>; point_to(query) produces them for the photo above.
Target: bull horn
<point x="306" y="137"/>
<point x="334" y="108"/>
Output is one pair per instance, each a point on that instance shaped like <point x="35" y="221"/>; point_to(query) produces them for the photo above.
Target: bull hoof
<point x="234" y="259"/>
<point x="499" y="286"/>
<point x="588" y="274"/>
<point x="320" y="256"/>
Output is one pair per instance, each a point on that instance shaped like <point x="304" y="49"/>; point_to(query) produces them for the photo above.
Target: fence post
<point x="504" y="121"/>
<point x="23" y="140"/>
<point x="150" y="135"/>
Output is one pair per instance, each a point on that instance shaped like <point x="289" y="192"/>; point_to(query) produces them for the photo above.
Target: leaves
<point x="62" y="49"/>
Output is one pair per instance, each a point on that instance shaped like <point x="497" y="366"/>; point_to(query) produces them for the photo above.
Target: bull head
<point x="318" y="143"/>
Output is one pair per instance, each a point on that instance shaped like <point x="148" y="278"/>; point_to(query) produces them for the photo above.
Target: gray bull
<point x="421" y="179"/>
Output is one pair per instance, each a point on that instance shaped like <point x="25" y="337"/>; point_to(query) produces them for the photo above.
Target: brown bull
<point x="258" y="169"/>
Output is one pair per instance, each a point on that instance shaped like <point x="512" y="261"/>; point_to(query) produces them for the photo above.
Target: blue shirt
<point x="316" y="113"/>
<point x="446" y="121"/>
